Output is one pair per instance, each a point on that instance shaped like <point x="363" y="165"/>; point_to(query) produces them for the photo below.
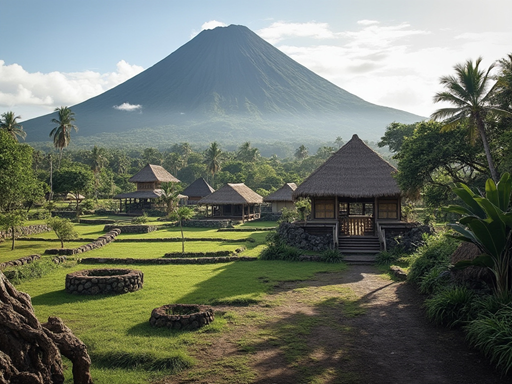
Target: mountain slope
<point x="223" y="84"/>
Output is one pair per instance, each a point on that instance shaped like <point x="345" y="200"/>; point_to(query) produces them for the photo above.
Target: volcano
<point x="226" y="84"/>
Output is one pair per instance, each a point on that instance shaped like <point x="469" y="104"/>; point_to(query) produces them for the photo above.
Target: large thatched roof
<point x="199" y="188"/>
<point x="151" y="173"/>
<point x="355" y="170"/>
<point x="282" y="194"/>
<point x="233" y="194"/>
<point x="154" y="194"/>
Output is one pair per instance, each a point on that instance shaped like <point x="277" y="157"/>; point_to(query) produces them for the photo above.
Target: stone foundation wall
<point x="94" y="282"/>
<point x="20" y="261"/>
<point x="295" y="236"/>
<point x="198" y="260"/>
<point x="131" y="228"/>
<point x="200" y="317"/>
<point x="26" y="231"/>
<point x="408" y="240"/>
<point x="98" y="243"/>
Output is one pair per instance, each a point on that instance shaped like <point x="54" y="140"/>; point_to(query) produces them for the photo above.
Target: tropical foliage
<point x="8" y="121"/>
<point x="61" y="134"/>
<point x="487" y="223"/>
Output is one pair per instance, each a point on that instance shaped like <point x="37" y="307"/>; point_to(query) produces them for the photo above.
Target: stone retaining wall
<point x="97" y="281"/>
<point x="199" y="260"/>
<point x="131" y="228"/>
<point x="201" y="315"/>
<point x="205" y="254"/>
<point x="26" y="231"/>
<point x="64" y="214"/>
<point x="207" y="223"/>
<point x="20" y="261"/>
<point x="295" y="236"/>
<point x="178" y="239"/>
<point x="97" y="221"/>
<point x="407" y="240"/>
<point x="101" y="241"/>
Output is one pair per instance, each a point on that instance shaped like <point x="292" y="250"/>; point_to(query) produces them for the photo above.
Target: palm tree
<point x="213" y="159"/>
<point x="247" y="153"/>
<point x="98" y="160"/>
<point x="62" y="132"/>
<point x="470" y="91"/>
<point x="9" y="123"/>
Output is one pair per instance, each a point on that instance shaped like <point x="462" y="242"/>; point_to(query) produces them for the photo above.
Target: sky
<point x="389" y="52"/>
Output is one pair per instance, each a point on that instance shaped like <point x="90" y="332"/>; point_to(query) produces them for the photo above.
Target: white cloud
<point x="127" y="107"/>
<point x="281" y="30"/>
<point x="212" y="24"/>
<point x="367" y="22"/>
<point x="20" y="88"/>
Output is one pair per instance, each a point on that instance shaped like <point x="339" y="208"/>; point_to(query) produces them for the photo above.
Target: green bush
<point x="388" y="257"/>
<point x="332" y="256"/>
<point x="278" y="250"/>
<point x="435" y="253"/>
<point x="492" y="335"/>
<point x="452" y="306"/>
<point x="436" y="279"/>
<point x="30" y="271"/>
<point x="140" y="219"/>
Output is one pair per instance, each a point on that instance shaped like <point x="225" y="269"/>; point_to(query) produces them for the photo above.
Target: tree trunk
<point x="13" y="237"/>
<point x="487" y="150"/>
<point x="30" y="352"/>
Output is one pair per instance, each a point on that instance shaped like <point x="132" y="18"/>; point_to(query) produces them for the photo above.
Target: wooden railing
<point x="357" y="225"/>
<point x="381" y="233"/>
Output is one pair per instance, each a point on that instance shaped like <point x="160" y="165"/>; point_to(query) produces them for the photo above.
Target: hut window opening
<point x="324" y="209"/>
<point x="388" y="210"/>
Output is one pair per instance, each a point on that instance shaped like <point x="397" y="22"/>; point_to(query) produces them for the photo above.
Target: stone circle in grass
<point x="181" y="316"/>
<point x="104" y="281"/>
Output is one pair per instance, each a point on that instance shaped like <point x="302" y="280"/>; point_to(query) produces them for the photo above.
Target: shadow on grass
<point x="60" y="297"/>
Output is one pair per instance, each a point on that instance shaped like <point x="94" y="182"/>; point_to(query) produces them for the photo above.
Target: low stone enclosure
<point x="181" y="316"/>
<point x="104" y="281"/>
<point x="26" y="231"/>
<point x="131" y="228"/>
<point x="101" y="241"/>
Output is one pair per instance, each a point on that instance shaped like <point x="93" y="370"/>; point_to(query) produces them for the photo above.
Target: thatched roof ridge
<point x="282" y="194"/>
<point x="233" y="194"/>
<point x="151" y="173"/>
<point x="355" y="170"/>
<point x="199" y="188"/>
<point x="154" y="194"/>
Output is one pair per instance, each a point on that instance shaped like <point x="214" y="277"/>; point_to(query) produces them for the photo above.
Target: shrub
<point x="452" y="306"/>
<point x="436" y="279"/>
<point x="88" y="205"/>
<point x="140" y="219"/>
<point x="33" y="270"/>
<point x="492" y="335"/>
<point x="435" y="253"/>
<point x="278" y="250"/>
<point x="388" y="257"/>
<point x="332" y="256"/>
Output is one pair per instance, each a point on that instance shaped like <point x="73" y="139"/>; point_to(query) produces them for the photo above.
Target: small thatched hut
<point x="197" y="190"/>
<point x="353" y="192"/>
<point x="282" y="198"/>
<point x="149" y="188"/>
<point x="233" y="201"/>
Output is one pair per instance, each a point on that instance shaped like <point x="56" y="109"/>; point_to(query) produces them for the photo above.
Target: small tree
<point x="183" y="213"/>
<point x="12" y="220"/>
<point x="63" y="228"/>
<point x="170" y="198"/>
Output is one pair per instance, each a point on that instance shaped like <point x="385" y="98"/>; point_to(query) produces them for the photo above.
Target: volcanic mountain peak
<point x="227" y="83"/>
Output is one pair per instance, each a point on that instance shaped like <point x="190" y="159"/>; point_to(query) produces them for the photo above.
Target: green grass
<point x="123" y="347"/>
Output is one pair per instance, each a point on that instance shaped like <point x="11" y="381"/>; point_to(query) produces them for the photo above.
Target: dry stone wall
<point x="26" y="231"/>
<point x="20" y="261"/>
<point x="195" y="316"/>
<point x="98" y="243"/>
<point x="131" y="228"/>
<point x="295" y="236"/>
<point x="198" y="260"/>
<point x="109" y="281"/>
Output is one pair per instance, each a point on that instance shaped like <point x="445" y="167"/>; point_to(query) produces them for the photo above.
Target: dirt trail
<point x="350" y="327"/>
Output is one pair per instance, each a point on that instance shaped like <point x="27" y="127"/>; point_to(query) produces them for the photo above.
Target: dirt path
<point x="349" y="327"/>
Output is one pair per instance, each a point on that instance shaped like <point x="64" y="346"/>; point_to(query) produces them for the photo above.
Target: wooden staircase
<point x="368" y="245"/>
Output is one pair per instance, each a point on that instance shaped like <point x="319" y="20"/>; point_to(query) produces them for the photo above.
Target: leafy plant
<point x="487" y="223"/>
<point x="140" y="219"/>
<point x="492" y="334"/>
<point x="332" y="256"/>
<point x="435" y="280"/>
<point x="451" y="306"/>
<point x="63" y="228"/>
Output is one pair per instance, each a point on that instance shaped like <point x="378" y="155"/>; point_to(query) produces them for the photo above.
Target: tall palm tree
<point x="471" y="93"/>
<point x="301" y="153"/>
<point x="98" y="160"/>
<point x="9" y="123"/>
<point x="213" y="159"/>
<point x="62" y="132"/>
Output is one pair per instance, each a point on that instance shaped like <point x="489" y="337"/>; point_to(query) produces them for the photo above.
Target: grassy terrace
<point x="123" y="346"/>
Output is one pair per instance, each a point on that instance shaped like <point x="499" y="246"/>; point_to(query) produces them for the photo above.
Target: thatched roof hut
<point x="354" y="171"/>
<point x="233" y="194"/>
<point x="153" y="173"/>
<point x="198" y="189"/>
<point x="282" y="194"/>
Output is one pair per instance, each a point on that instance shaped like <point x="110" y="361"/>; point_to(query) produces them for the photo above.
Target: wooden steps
<point x="359" y="245"/>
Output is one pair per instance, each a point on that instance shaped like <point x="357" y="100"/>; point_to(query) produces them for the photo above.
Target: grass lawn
<point x="123" y="347"/>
